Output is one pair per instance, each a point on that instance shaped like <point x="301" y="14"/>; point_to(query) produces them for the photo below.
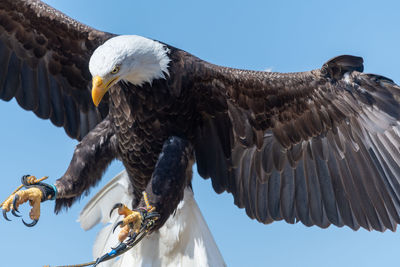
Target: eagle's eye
<point x="115" y="70"/>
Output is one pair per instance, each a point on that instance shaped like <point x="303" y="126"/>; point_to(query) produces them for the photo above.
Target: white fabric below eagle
<point x="184" y="240"/>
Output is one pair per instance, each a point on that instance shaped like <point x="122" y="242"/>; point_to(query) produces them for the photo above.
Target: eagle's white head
<point x="130" y="58"/>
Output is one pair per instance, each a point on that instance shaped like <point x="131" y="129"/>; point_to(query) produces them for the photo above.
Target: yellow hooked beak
<point x="99" y="88"/>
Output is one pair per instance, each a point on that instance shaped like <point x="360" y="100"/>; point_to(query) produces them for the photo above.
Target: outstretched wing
<point x="320" y="147"/>
<point x="44" y="59"/>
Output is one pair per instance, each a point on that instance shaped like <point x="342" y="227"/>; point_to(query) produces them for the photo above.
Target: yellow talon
<point x="33" y="195"/>
<point x="131" y="222"/>
<point x="31" y="180"/>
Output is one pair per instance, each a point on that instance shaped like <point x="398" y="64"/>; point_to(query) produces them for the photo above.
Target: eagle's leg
<point x="91" y="158"/>
<point x="164" y="190"/>
<point x="170" y="177"/>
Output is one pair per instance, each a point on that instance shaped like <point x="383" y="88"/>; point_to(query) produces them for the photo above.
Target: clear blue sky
<point x="286" y="36"/>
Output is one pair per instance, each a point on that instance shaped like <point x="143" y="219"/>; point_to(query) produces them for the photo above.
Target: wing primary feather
<point x="217" y="163"/>
<point x="274" y="189"/>
<point x="328" y="196"/>
<point x="393" y="139"/>
<point x="71" y="123"/>
<point x="223" y="128"/>
<point x="287" y="194"/>
<point x="246" y="181"/>
<point x="202" y="145"/>
<point x="238" y="171"/>
<point x="314" y="191"/>
<point x="369" y="178"/>
<point x="301" y="195"/>
<point x="388" y="184"/>
<point x="389" y="178"/>
<point x="27" y="95"/>
<point x="391" y="152"/>
<point x="43" y="109"/>
<point x="262" y="203"/>
<point x="378" y="191"/>
<point x="13" y="79"/>
<point x="386" y="162"/>
<point x="252" y="194"/>
<point x="354" y="196"/>
<point x="236" y="163"/>
<point x="5" y="54"/>
<point x="57" y="106"/>
<point x="358" y="173"/>
<point x="341" y="194"/>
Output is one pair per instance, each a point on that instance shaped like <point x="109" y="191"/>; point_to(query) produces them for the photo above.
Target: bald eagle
<point x="320" y="147"/>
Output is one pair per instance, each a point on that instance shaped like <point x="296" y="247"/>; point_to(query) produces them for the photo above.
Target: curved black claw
<point x="152" y="215"/>
<point x="33" y="223"/>
<point x="116" y="206"/>
<point x="115" y="226"/>
<point x="14" y="213"/>
<point x="14" y="208"/>
<point x="131" y="239"/>
<point x="16" y="198"/>
<point x="5" y="215"/>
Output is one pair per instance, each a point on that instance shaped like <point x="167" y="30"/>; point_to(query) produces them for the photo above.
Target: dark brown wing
<point x="44" y="59"/>
<point x="320" y="147"/>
